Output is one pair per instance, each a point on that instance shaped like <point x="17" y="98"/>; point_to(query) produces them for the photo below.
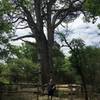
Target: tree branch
<point x="25" y="36"/>
<point x="57" y="14"/>
<point x="31" y="43"/>
<point x="60" y="20"/>
<point x="66" y="12"/>
<point x="16" y="18"/>
<point x="22" y="27"/>
<point x="38" y="11"/>
<point x="64" y="46"/>
<point x="19" y="18"/>
<point x="52" y="2"/>
<point x="67" y="44"/>
<point x="30" y="20"/>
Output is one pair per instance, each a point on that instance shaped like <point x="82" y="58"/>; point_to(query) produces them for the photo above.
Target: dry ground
<point x="55" y="98"/>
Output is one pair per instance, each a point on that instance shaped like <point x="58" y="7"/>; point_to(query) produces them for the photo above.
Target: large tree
<point x="39" y="15"/>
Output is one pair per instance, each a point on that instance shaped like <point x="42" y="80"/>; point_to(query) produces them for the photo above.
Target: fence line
<point x="31" y="91"/>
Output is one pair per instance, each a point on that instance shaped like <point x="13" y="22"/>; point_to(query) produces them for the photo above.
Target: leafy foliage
<point x="5" y="30"/>
<point x="21" y="62"/>
<point x="92" y="64"/>
<point x="24" y="51"/>
<point x="22" y="70"/>
<point x="93" y="6"/>
<point x="62" y="67"/>
<point x="19" y="70"/>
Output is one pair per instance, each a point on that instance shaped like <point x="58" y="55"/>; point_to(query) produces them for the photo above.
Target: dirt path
<point x="54" y="98"/>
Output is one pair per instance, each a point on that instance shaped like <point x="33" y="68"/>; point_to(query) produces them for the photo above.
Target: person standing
<point x="51" y="88"/>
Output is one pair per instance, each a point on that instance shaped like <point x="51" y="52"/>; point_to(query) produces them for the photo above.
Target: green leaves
<point x="18" y="70"/>
<point x="25" y="51"/>
<point x="93" y="6"/>
<point x="98" y="26"/>
<point x="5" y="26"/>
<point x="21" y="63"/>
<point x="6" y="7"/>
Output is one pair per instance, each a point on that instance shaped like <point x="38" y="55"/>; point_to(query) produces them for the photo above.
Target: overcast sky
<point x="83" y="30"/>
<point x="87" y="31"/>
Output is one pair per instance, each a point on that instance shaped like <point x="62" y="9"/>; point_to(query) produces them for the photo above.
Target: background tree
<point x="20" y="65"/>
<point x="22" y="70"/>
<point x="19" y="55"/>
<point x="88" y="61"/>
<point x="78" y="61"/>
<point x="93" y="7"/>
<point x="92" y="10"/>
<point x="62" y="66"/>
<point x="91" y="67"/>
<point x="26" y="50"/>
<point x="76" y="47"/>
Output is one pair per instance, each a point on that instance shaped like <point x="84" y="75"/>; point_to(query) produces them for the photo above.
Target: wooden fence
<point x="34" y="92"/>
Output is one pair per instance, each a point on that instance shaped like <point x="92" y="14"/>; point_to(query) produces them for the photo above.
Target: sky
<point x="80" y="29"/>
<point x="84" y="30"/>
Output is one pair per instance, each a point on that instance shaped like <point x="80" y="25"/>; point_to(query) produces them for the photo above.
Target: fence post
<point x="37" y="92"/>
<point x="71" y="94"/>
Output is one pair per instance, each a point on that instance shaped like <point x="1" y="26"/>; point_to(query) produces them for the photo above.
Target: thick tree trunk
<point x="85" y="91"/>
<point x="45" y="59"/>
<point x="50" y="45"/>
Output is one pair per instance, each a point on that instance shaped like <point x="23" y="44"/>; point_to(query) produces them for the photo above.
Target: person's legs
<point x="48" y="97"/>
<point x="51" y="97"/>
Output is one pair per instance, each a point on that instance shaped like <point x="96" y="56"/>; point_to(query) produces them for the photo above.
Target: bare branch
<point x="64" y="46"/>
<point x="16" y="17"/>
<point x="57" y="14"/>
<point x="67" y="44"/>
<point x="52" y="2"/>
<point x="22" y="27"/>
<point x="19" y="26"/>
<point x="74" y="6"/>
<point x="62" y="25"/>
<point x="19" y="18"/>
<point x="74" y="1"/>
<point x="68" y="11"/>
<point x="30" y="20"/>
<point x="60" y="21"/>
<point x="25" y="36"/>
<point x="31" y="43"/>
